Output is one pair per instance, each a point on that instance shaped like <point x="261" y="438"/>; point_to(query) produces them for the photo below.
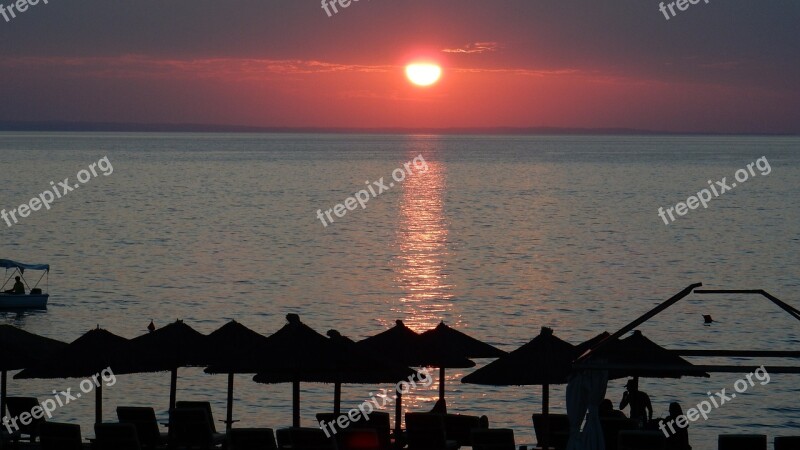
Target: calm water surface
<point x="502" y="235"/>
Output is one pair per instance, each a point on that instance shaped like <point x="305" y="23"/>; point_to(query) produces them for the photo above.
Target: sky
<point x="724" y="66"/>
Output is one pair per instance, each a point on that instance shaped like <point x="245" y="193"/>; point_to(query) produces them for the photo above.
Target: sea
<point x="497" y="236"/>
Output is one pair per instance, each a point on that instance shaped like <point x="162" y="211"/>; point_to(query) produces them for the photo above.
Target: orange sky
<point x="508" y="64"/>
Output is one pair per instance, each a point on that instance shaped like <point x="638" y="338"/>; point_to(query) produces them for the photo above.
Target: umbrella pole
<point x="337" y="399"/>
<point x="296" y="404"/>
<point x="98" y="405"/>
<point x="546" y="415"/>
<point x="441" y="383"/>
<point x="173" y="387"/>
<point x="398" y="416"/>
<point x="3" y="394"/>
<point x="229" y="418"/>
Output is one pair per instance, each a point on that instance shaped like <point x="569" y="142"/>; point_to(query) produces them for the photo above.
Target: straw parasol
<point x="361" y="367"/>
<point x="637" y="356"/>
<point x="545" y="360"/>
<point x="298" y="354"/>
<point x="403" y="345"/>
<point x="231" y="347"/>
<point x="19" y="350"/>
<point x="168" y="348"/>
<point x="86" y="357"/>
<point x="454" y="342"/>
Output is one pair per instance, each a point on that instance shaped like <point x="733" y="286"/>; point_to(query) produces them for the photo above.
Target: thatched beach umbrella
<point x="89" y="355"/>
<point x="456" y="343"/>
<point x="293" y="354"/>
<point x="359" y="366"/>
<point x="233" y="346"/>
<point x="637" y="356"/>
<point x="545" y="360"/>
<point x="403" y="345"/>
<point x="19" y="350"/>
<point x="168" y="348"/>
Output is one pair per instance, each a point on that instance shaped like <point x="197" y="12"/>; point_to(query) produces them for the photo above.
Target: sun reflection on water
<point x="422" y="241"/>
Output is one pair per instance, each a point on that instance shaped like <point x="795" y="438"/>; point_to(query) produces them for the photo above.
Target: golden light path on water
<point x="422" y="231"/>
<point x="420" y="266"/>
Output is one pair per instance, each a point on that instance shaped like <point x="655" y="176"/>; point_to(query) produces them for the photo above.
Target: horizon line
<point x="65" y="126"/>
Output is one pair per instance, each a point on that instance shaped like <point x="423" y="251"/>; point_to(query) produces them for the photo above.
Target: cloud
<point x="139" y="66"/>
<point x="477" y="47"/>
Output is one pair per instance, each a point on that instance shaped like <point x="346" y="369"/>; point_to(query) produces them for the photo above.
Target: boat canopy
<point x="9" y="264"/>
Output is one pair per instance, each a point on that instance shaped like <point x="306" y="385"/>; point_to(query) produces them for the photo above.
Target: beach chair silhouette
<point x="201" y="405"/>
<point x="251" y="439"/>
<point x="191" y="428"/>
<point x="18" y="405"/>
<point x="116" y="436"/>
<point x="496" y="439"/>
<point x="146" y="424"/>
<point x="426" y="431"/>
<point x="60" y="436"/>
<point x="299" y="438"/>
<point x="742" y="442"/>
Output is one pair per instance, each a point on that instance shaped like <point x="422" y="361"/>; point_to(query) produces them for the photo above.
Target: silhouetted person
<point x="641" y="408"/>
<point x="607" y="410"/>
<point x="680" y="439"/>
<point x="18" y="288"/>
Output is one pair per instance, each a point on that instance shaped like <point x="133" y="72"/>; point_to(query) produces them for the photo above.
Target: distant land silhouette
<point x="211" y="128"/>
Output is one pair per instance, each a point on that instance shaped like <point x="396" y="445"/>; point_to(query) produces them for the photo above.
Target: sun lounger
<point x="359" y="439"/>
<point x="742" y="442"/>
<point x="496" y="439"/>
<point x="426" y="431"/>
<point x="190" y="428"/>
<point x="559" y="429"/>
<point x="787" y="443"/>
<point x="202" y="405"/>
<point x="641" y="440"/>
<point x="60" y="436"/>
<point x="18" y="405"/>
<point x="378" y="420"/>
<point x="612" y="426"/>
<point x="297" y="438"/>
<point x="144" y="419"/>
<point x="458" y="427"/>
<point x="251" y="439"/>
<point x="115" y="436"/>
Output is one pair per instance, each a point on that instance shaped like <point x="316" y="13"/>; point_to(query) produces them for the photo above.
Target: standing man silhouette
<point x="641" y="408"/>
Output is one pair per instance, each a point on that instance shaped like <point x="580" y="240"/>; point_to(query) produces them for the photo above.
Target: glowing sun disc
<point x="423" y="74"/>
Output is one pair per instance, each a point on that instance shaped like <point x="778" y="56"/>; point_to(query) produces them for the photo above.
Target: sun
<point x="423" y="74"/>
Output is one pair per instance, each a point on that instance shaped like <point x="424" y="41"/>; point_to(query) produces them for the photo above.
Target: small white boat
<point x="22" y="296"/>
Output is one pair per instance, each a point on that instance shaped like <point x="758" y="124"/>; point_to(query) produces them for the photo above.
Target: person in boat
<point x="19" y="287"/>
<point x="607" y="410"/>
<point x="641" y="407"/>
